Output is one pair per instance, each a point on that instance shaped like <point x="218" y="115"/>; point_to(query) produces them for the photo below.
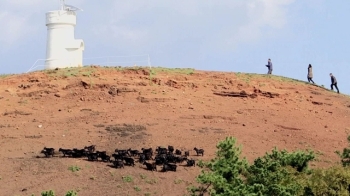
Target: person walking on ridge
<point x="334" y="82"/>
<point x="269" y="66"/>
<point x="309" y="74"/>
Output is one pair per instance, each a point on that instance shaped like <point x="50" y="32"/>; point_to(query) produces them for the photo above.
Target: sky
<point x="225" y="35"/>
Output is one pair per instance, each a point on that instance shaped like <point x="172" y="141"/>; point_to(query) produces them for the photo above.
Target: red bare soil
<point x="73" y="108"/>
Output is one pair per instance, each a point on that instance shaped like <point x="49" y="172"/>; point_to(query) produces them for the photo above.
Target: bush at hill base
<point x="279" y="173"/>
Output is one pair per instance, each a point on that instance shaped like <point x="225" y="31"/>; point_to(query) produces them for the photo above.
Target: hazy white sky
<point x="225" y="35"/>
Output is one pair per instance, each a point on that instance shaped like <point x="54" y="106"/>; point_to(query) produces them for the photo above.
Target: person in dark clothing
<point x="334" y="82"/>
<point x="309" y="74"/>
<point x="269" y="66"/>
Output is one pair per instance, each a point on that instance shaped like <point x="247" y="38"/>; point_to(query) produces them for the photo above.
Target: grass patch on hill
<point x="187" y="71"/>
<point x="154" y="70"/>
<point x="2" y="76"/>
<point x="247" y="77"/>
<point x="89" y="70"/>
<point x="70" y="72"/>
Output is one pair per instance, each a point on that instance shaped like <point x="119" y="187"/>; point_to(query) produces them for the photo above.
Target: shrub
<point x="136" y="188"/>
<point x="52" y="193"/>
<point x="74" y="168"/>
<point x="345" y="155"/>
<point x="331" y="181"/>
<point x="48" y="193"/>
<point x="127" y="179"/>
<point x="223" y="174"/>
<point x="278" y="173"/>
<point x="71" y="193"/>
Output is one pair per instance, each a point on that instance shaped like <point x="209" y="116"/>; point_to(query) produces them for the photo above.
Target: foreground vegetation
<point x="279" y="173"/>
<point x="52" y="193"/>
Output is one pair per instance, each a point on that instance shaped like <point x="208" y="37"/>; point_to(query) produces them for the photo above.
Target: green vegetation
<point x="136" y="188"/>
<point x="71" y="72"/>
<point x="178" y="181"/>
<point x="151" y="181"/>
<point x="48" y="193"/>
<point x="143" y="176"/>
<point x="331" y="181"/>
<point x="71" y="193"/>
<point x="2" y="76"/>
<point x="52" y="193"/>
<point x="127" y="179"/>
<point x="89" y="71"/>
<point x="276" y="173"/>
<point x="345" y="155"/>
<point x="187" y="71"/>
<point x="74" y="168"/>
<point x="153" y="70"/>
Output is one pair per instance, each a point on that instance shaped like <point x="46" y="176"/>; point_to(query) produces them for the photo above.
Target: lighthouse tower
<point x="62" y="49"/>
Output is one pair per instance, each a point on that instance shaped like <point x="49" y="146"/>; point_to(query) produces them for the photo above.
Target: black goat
<point x="191" y="162"/>
<point x="161" y="150"/>
<point x="147" y="150"/>
<point x="65" y="152"/>
<point x="123" y="153"/>
<point x="133" y="152"/>
<point x="142" y="158"/>
<point x="169" y="167"/>
<point x="187" y="153"/>
<point x="118" y="164"/>
<point x="129" y="161"/>
<point x="178" y="152"/>
<point x="92" y="157"/>
<point x="101" y="152"/>
<point x="117" y="156"/>
<point x="171" y="158"/>
<point x="48" y="152"/>
<point x="199" y="151"/>
<point x="148" y="156"/>
<point x="180" y="159"/>
<point x="104" y="157"/>
<point x="160" y="159"/>
<point x="90" y="149"/>
<point x="171" y="149"/>
<point x="79" y="153"/>
<point x="151" y="166"/>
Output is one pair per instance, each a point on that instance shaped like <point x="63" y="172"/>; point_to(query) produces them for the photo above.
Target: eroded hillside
<point x="138" y="108"/>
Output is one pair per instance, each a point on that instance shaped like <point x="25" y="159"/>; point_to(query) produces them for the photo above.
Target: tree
<point x="345" y="155"/>
<point x="276" y="173"/>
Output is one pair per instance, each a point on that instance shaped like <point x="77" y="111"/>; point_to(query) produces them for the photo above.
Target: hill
<point x="121" y="108"/>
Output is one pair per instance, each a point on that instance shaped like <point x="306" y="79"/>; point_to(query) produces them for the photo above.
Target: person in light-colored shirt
<point x="309" y="74"/>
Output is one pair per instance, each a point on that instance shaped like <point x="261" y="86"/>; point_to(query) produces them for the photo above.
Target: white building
<point x="62" y="49"/>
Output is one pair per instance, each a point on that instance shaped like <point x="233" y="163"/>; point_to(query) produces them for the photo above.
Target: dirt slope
<point x="73" y="108"/>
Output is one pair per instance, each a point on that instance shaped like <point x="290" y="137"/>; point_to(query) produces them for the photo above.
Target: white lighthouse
<point x="62" y="49"/>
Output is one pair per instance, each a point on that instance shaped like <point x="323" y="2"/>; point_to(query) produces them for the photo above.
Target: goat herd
<point x="167" y="157"/>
